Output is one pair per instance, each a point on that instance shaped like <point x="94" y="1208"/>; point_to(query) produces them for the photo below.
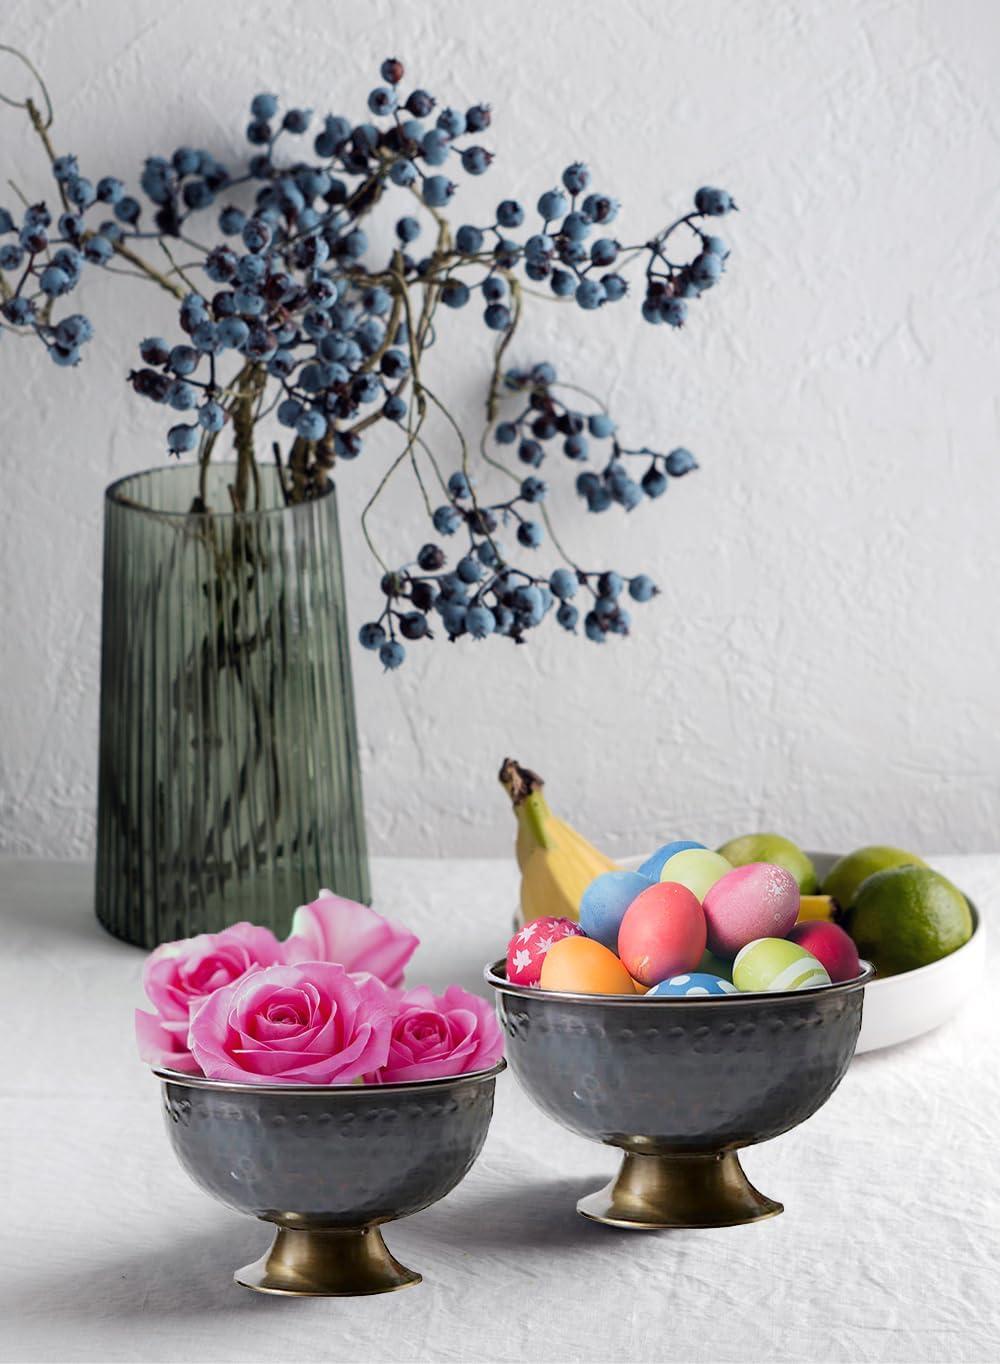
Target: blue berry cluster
<point x="290" y="315"/>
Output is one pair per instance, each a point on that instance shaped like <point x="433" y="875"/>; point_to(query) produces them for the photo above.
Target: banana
<point x="557" y="863"/>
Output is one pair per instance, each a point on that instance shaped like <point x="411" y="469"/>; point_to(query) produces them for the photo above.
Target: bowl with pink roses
<point x="304" y="1084"/>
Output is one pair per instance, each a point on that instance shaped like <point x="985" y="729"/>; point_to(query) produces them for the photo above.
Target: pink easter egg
<point x="526" y="949"/>
<point x="755" y="901"/>
<point x="830" y="945"/>
<point x="661" y="933"/>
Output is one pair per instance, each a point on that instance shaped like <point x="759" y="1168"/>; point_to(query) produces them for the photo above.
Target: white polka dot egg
<point x="691" y="985"/>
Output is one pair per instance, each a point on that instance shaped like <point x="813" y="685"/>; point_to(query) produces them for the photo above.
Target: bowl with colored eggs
<point x="687" y="1015"/>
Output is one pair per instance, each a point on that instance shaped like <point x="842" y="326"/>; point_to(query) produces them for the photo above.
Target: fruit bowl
<point x="680" y="1085"/>
<point x="328" y="1165"/>
<point x="900" y="1008"/>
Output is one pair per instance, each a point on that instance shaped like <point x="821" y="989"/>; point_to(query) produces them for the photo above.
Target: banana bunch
<point x="557" y="863"/>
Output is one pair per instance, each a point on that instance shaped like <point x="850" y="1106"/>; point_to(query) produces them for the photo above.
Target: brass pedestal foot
<point x="655" y="1192"/>
<point x="326" y="1264"/>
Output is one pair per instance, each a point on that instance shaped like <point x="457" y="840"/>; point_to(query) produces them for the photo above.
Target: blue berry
<point x="6" y="221"/>
<point x="392" y="70"/>
<point x="256" y="235"/>
<point x="589" y="294"/>
<point x="182" y="396"/>
<point x="563" y="583"/>
<point x="530" y="452"/>
<point x="705" y="269"/>
<point x="435" y="147"/>
<point x="651" y="311"/>
<point x="65" y="355"/>
<point x="11" y="257"/>
<point x="371" y="635"/>
<point x="289" y="411"/>
<point x="296" y="120"/>
<point x="438" y="189"/>
<point x="604" y="251"/>
<point x="211" y="417"/>
<point x="311" y="425"/>
<point x="454" y="293"/>
<point x="563" y="283"/>
<point x="98" y="250"/>
<point x="576" y="226"/>
<point x="529" y="533"/>
<point x="477" y="118"/>
<point x="80" y="191"/>
<point x="494" y="289"/>
<point x="568" y="616"/>
<point x="420" y="103"/>
<point x="576" y="447"/>
<point x="497" y="317"/>
<point x="642" y="588"/>
<point x="505" y="434"/>
<point x="713" y="202"/>
<point x="680" y="462"/>
<point x="382" y="101"/>
<point x="599" y="208"/>
<point x="446" y="520"/>
<point x="674" y="311"/>
<point x="64" y="166"/>
<point x="264" y="106"/>
<point x="553" y="204"/>
<point x="74" y="330"/>
<point x="469" y="240"/>
<point x="458" y="485"/>
<point x="476" y="160"/>
<point x="453" y="615"/>
<point x="654" y="482"/>
<point x="576" y="177"/>
<point x="395" y="408"/>
<point x="610" y="584"/>
<point x="600" y="425"/>
<point x="534" y="489"/>
<point x="452" y="122"/>
<point x="715" y="246"/>
<point x="480" y="621"/>
<point x="54" y="281"/>
<point x="182" y="438"/>
<point x="510" y="213"/>
<point x="413" y="625"/>
<point x="127" y="210"/>
<point x="407" y="229"/>
<point x="615" y="287"/>
<point x="593" y="628"/>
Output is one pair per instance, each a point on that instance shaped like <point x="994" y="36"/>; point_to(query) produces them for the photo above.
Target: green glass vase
<point x="229" y="783"/>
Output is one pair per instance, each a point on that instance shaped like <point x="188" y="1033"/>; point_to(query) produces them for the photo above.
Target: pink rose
<point x="178" y="976"/>
<point x="334" y="929"/>
<point x="308" y="1023"/>
<point x="435" y="1036"/>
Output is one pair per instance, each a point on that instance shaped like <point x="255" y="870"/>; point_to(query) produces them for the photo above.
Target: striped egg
<point x="692" y="985"/>
<point x="776" y="964"/>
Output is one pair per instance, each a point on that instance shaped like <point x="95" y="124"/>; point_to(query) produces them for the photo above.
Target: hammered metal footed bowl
<point x="680" y="1085"/>
<point x="328" y="1165"/>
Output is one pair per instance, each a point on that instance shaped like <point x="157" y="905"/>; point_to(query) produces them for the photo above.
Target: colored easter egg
<point x="526" y="950"/>
<point x="605" y="901"/>
<point x="662" y="933"/>
<point x="584" y="967"/>
<point x="831" y="947"/>
<point x="697" y="983"/>
<point x="653" y="865"/>
<point x="696" y="868"/>
<point x="759" y="900"/>
<point x="777" y="964"/>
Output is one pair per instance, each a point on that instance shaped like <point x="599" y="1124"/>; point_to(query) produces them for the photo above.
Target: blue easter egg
<point x="693" y="984"/>
<point x="654" y="865"/>
<point x="605" y="901"/>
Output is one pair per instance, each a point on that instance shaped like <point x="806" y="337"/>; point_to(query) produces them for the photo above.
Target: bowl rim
<point x="495" y="976"/>
<point x="179" y="1077"/>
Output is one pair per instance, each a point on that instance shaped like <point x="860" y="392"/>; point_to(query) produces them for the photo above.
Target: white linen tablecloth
<point x="888" y="1249"/>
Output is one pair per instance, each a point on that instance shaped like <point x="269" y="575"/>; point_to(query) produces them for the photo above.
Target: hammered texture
<point x="684" y="1080"/>
<point x="344" y="1159"/>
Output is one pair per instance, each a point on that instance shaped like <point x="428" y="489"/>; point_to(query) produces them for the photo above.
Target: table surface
<point x="887" y="1250"/>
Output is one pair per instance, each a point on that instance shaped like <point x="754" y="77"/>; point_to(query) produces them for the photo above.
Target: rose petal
<point x="161" y="1044"/>
<point x="334" y="929"/>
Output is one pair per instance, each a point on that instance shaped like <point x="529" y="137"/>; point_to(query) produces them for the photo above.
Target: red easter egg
<point x="662" y="933"/>
<point x="830" y="945"/>
<point x="755" y="901"/>
<point x="526" y="950"/>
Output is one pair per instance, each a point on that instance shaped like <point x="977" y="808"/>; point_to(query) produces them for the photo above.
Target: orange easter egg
<point x="586" y="968"/>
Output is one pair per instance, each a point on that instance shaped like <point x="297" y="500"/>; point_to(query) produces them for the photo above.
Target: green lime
<point x="907" y="917"/>
<point x="846" y="874"/>
<point x="773" y="848"/>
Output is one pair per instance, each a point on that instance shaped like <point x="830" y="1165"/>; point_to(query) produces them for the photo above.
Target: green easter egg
<point x="776" y="964"/>
<point x="696" y="868"/>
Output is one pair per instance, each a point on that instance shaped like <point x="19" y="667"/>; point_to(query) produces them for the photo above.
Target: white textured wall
<point x="824" y="657"/>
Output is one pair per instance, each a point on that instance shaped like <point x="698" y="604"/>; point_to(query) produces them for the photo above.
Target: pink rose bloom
<point x="437" y="1036"/>
<point x="308" y="1023"/>
<point x="178" y="976"/>
<point x="334" y="929"/>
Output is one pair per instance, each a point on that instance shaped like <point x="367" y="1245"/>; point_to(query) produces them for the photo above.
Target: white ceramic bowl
<point x="902" y="1007"/>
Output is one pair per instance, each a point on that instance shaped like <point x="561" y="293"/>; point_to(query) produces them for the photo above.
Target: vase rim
<point x="116" y="493"/>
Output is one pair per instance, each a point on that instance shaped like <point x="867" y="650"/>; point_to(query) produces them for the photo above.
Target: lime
<point x="907" y="917"/>
<point x="773" y="848"/>
<point x="846" y="874"/>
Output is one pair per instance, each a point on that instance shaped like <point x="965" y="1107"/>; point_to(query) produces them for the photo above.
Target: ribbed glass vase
<point x="229" y="783"/>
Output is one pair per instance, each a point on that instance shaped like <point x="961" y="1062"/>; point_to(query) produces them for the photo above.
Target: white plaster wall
<point x="824" y="657"/>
